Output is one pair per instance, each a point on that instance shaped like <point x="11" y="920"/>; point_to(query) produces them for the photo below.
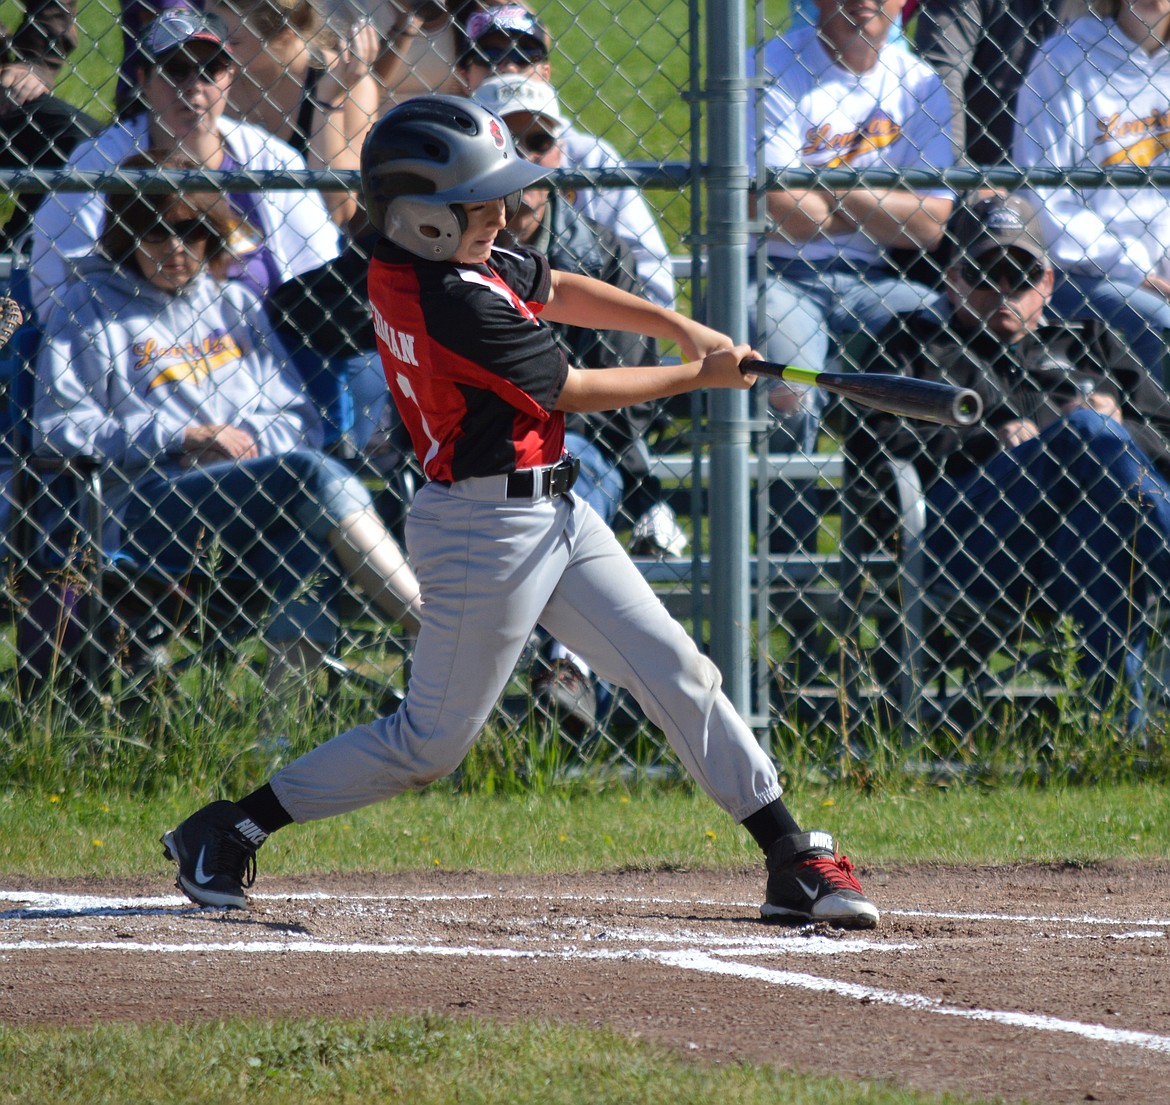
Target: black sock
<point x="770" y="824"/>
<point x="265" y="810"/>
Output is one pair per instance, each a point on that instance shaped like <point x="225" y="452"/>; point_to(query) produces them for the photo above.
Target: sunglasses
<point x="186" y="230"/>
<point x="516" y="53"/>
<point x="1015" y="275"/>
<point x="182" y="70"/>
<point x="533" y="143"/>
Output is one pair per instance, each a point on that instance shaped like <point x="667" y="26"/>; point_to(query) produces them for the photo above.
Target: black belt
<point x="554" y="480"/>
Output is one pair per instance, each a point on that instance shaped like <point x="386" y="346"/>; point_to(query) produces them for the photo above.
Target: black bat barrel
<point x="927" y="400"/>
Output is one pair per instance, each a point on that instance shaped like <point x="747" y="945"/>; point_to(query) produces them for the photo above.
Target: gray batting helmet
<point x="427" y="156"/>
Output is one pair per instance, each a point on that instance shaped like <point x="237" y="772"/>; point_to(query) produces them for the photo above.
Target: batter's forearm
<point x="583" y="301"/>
<point x="589" y="391"/>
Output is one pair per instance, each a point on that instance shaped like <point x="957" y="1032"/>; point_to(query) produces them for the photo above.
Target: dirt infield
<point x="1045" y="984"/>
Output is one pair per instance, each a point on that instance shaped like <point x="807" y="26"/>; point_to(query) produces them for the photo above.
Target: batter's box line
<point x="700" y="962"/>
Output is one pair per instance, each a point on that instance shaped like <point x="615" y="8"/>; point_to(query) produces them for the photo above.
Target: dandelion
<point x="563" y="837"/>
<point x="98" y="843"/>
<point x="709" y="834"/>
<point x="827" y="803"/>
<point x="53" y="798"/>
<point x="437" y="862"/>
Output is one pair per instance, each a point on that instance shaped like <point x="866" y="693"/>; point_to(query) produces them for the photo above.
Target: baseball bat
<point x="928" y="400"/>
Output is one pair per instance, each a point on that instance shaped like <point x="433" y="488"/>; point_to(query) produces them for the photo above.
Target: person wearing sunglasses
<point x="168" y="373"/>
<point x="510" y="44"/>
<point x="1058" y="497"/>
<point x="185" y="83"/>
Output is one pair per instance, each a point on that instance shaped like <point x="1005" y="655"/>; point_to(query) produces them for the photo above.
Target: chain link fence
<point x="906" y="583"/>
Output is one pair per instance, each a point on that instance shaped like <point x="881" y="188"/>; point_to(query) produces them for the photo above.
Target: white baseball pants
<point x="490" y="571"/>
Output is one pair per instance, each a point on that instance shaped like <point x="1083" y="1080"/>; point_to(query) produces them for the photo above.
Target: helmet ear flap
<point x="428" y="229"/>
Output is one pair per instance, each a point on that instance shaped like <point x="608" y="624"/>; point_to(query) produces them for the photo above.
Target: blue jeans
<point x="1142" y="316"/>
<point x="261" y="523"/>
<point x="600" y="481"/>
<point x="1077" y="517"/>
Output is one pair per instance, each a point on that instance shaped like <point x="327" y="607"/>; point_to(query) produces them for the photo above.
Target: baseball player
<point x="499" y="540"/>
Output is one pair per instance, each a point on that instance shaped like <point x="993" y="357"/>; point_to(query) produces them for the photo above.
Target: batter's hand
<point x="720" y="369"/>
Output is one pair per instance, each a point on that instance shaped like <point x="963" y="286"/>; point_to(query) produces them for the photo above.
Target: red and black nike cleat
<point x="809" y="881"/>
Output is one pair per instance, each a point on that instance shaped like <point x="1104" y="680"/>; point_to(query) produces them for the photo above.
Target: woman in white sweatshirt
<point x="1097" y="96"/>
<point x="212" y="467"/>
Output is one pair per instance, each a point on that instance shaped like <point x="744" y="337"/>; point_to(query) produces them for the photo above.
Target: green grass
<point x="424" y="1060"/>
<point x="114" y="834"/>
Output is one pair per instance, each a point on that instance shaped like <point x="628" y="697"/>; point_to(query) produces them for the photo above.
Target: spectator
<point x="1095" y="97"/>
<point x="838" y="95"/>
<point x="137" y="16"/>
<point x="804" y="14"/>
<point x="511" y="40"/>
<point x="1057" y="498"/>
<point x="35" y="52"/>
<point x="174" y="380"/>
<point x="611" y="447"/>
<point x="185" y="86"/>
<point x="304" y="83"/>
<point x="420" y="42"/>
<point x="981" y="49"/>
<point x="37" y="129"/>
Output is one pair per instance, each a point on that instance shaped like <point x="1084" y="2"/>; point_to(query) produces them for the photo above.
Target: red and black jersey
<point x="473" y="371"/>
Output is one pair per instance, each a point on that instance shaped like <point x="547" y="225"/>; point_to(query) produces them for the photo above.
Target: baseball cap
<point x="1000" y="223"/>
<point x="179" y="27"/>
<point x="508" y="19"/>
<point x="510" y="93"/>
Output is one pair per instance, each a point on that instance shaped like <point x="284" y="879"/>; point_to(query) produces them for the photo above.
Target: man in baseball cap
<point x="1000" y="280"/>
<point x="998" y="222"/>
<point x="1031" y="509"/>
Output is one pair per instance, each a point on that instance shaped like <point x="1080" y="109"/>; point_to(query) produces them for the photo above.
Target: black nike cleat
<point x="215" y="849"/>
<point x="809" y="881"/>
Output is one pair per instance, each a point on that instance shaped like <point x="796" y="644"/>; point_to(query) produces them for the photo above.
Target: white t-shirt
<point x="818" y="114"/>
<point x="1094" y="99"/>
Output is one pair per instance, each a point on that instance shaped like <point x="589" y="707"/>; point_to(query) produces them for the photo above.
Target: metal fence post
<point x="726" y="303"/>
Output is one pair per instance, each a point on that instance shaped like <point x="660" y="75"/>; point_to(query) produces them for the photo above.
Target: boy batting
<point x="498" y="539"/>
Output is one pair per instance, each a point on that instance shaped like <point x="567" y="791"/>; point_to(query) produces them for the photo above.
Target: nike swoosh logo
<point x="810" y="891"/>
<point x="203" y="879"/>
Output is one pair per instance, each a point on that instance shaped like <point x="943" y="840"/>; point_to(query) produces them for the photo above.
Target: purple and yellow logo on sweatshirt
<point x="1141" y="140"/>
<point x="188" y="360"/>
<point x="876" y="133"/>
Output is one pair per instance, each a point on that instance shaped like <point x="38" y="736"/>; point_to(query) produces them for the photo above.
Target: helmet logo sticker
<point x="497" y="134"/>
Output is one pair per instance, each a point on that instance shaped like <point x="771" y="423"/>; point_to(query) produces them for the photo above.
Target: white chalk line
<point x="698" y="961"/>
<point x="69" y="904"/>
